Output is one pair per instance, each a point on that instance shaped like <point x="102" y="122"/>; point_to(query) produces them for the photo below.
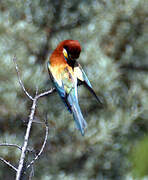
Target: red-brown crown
<point x="73" y="48"/>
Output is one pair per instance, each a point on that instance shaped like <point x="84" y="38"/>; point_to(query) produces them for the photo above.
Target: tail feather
<point x="77" y="114"/>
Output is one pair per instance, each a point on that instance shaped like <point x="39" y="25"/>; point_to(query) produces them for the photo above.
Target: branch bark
<point x="24" y="148"/>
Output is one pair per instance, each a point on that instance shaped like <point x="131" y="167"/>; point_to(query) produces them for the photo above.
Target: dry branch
<point x="42" y="148"/>
<point x="20" y="172"/>
<point x="20" y="81"/>
<point x="24" y="149"/>
<point x="8" y="163"/>
<point x="11" y="145"/>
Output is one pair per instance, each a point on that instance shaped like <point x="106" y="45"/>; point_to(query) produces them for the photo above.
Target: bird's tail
<point x="77" y="114"/>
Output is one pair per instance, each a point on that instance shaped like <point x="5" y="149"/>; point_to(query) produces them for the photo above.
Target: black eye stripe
<point x="66" y="47"/>
<point x="72" y="52"/>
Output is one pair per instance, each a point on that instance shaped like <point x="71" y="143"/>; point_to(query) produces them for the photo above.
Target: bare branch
<point x="20" y="170"/>
<point x="11" y="145"/>
<point x="24" y="148"/>
<point x="42" y="148"/>
<point x="20" y="81"/>
<point x="17" y="146"/>
<point x="10" y="165"/>
<point x="46" y="93"/>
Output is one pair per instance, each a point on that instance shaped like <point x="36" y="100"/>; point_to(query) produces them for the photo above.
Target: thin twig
<point x="16" y="146"/>
<point x="20" y="81"/>
<point x="12" y="145"/>
<point x="46" y="93"/>
<point x="31" y="173"/>
<point x="10" y="165"/>
<point x="42" y="148"/>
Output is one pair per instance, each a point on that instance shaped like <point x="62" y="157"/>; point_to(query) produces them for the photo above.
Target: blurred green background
<point x="114" y="39"/>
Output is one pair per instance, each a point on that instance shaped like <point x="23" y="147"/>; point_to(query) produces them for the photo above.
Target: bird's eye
<point x="65" y="53"/>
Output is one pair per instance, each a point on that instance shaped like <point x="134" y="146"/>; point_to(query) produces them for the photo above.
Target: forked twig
<point x="31" y="117"/>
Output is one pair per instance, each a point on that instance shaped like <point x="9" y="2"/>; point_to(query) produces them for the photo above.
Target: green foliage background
<point x="114" y="39"/>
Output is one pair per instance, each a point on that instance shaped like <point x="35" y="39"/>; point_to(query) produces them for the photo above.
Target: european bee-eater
<point x="66" y="74"/>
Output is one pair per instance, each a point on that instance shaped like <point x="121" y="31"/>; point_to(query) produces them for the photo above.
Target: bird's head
<point x="70" y="49"/>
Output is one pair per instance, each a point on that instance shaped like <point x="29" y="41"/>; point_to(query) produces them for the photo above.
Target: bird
<point x="66" y="75"/>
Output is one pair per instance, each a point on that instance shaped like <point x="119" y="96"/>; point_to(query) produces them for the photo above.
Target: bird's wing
<point x="82" y="79"/>
<point x="62" y="84"/>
